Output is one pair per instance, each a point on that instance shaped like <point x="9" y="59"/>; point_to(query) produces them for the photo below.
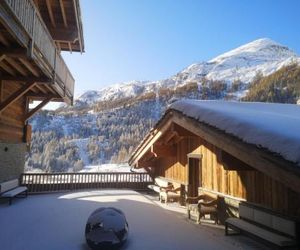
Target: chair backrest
<point x="8" y="185"/>
<point x="270" y="220"/>
<point x="162" y="182"/>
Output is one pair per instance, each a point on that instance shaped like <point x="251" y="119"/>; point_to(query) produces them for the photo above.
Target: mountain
<point x="104" y="126"/>
<point x="242" y="64"/>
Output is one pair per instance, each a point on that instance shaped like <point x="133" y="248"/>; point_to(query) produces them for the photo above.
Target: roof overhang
<point x="64" y="22"/>
<point x="260" y="159"/>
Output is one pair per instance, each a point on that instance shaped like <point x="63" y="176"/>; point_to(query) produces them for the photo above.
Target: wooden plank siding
<point x="251" y="185"/>
<point x="11" y="119"/>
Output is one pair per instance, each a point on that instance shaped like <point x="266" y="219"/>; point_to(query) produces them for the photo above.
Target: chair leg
<point x="216" y="219"/>
<point x="198" y="217"/>
<point x="189" y="213"/>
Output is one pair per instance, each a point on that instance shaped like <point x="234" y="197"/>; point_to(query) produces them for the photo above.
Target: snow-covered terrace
<point x="57" y="221"/>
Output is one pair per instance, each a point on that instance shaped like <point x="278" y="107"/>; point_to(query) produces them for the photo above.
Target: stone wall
<point x="12" y="160"/>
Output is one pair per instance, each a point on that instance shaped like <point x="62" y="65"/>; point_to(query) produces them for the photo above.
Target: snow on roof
<point x="275" y="127"/>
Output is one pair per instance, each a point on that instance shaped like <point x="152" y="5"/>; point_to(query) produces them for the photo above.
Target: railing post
<point x="71" y="182"/>
<point x="21" y="180"/>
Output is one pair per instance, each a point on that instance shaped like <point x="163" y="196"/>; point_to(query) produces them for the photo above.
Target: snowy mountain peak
<point x="261" y="47"/>
<point x="243" y="63"/>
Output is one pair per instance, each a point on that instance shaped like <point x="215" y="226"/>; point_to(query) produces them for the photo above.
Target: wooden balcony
<point x="54" y="182"/>
<point x="29" y="53"/>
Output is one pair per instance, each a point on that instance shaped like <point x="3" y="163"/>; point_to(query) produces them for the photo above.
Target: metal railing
<point x="44" y="182"/>
<point x="27" y="15"/>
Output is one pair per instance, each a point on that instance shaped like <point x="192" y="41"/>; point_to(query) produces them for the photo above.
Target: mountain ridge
<point x="242" y="64"/>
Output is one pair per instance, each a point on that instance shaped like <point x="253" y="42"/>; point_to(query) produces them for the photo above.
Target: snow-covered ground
<point x="57" y="221"/>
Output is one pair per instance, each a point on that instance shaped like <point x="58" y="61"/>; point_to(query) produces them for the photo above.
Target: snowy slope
<point x="275" y="127"/>
<point x="243" y="63"/>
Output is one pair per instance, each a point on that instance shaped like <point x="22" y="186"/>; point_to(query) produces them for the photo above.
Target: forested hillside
<point x="104" y="126"/>
<point x="283" y="86"/>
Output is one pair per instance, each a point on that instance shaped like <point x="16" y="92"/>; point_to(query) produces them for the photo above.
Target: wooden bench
<point x="159" y="183"/>
<point x="269" y="227"/>
<point x="11" y="189"/>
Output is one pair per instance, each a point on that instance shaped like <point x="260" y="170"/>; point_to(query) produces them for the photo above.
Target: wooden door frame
<point x="191" y="156"/>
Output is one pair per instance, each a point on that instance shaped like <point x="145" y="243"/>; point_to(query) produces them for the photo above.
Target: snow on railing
<point x="44" y="182"/>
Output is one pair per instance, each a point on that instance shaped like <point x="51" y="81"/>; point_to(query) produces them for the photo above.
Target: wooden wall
<point x="11" y="119"/>
<point x="251" y="185"/>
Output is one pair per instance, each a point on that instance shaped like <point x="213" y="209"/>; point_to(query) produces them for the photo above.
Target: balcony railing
<point x="27" y="15"/>
<point x="41" y="183"/>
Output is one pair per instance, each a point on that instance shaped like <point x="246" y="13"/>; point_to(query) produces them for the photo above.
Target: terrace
<point x="55" y="219"/>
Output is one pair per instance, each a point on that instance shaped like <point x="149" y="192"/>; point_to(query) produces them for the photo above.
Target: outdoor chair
<point x="202" y="205"/>
<point x="170" y="193"/>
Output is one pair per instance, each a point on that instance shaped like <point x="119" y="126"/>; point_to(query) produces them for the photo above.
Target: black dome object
<point x="106" y="228"/>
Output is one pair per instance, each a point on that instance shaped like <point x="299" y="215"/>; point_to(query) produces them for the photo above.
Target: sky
<point x="154" y="39"/>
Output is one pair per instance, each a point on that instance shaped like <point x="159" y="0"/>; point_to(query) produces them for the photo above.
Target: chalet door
<point x="194" y="176"/>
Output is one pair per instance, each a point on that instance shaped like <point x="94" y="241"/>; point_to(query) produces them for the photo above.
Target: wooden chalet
<point x="32" y="35"/>
<point x="195" y="147"/>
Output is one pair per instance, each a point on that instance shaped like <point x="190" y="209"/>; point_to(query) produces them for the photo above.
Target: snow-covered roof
<point x="275" y="127"/>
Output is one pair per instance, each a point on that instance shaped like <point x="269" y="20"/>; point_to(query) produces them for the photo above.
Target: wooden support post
<point x="15" y="96"/>
<point x="1" y="90"/>
<point x="36" y="109"/>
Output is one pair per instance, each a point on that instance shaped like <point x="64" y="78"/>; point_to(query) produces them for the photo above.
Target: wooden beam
<point x="7" y="68"/>
<point x="182" y="132"/>
<point x="3" y="40"/>
<point x="26" y="79"/>
<point x="36" y="109"/>
<point x="16" y="66"/>
<point x="150" y="139"/>
<point x="40" y="97"/>
<point x="63" y="13"/>
<point x="163" y="151"/>
<point x="30" y="67"/>
<point x="41" y="89"/>
<point x="15" y="96"/>
<point x="271" y="165"/>
<point x="2" y="57"/>
<point x="170" y="136"/>
<point x="14" y="52"/>
<point x="64" y="34"/>
<point x="50" y="12"/>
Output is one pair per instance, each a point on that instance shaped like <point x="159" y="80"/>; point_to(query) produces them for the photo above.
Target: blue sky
<point x="154" y="39"/>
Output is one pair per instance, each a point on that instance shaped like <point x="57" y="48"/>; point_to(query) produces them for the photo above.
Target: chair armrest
<point x="174" y="190"/>
<point x="208" y="203"/>
<point x="197" y="198"/>
<point x="165" y="189"/>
